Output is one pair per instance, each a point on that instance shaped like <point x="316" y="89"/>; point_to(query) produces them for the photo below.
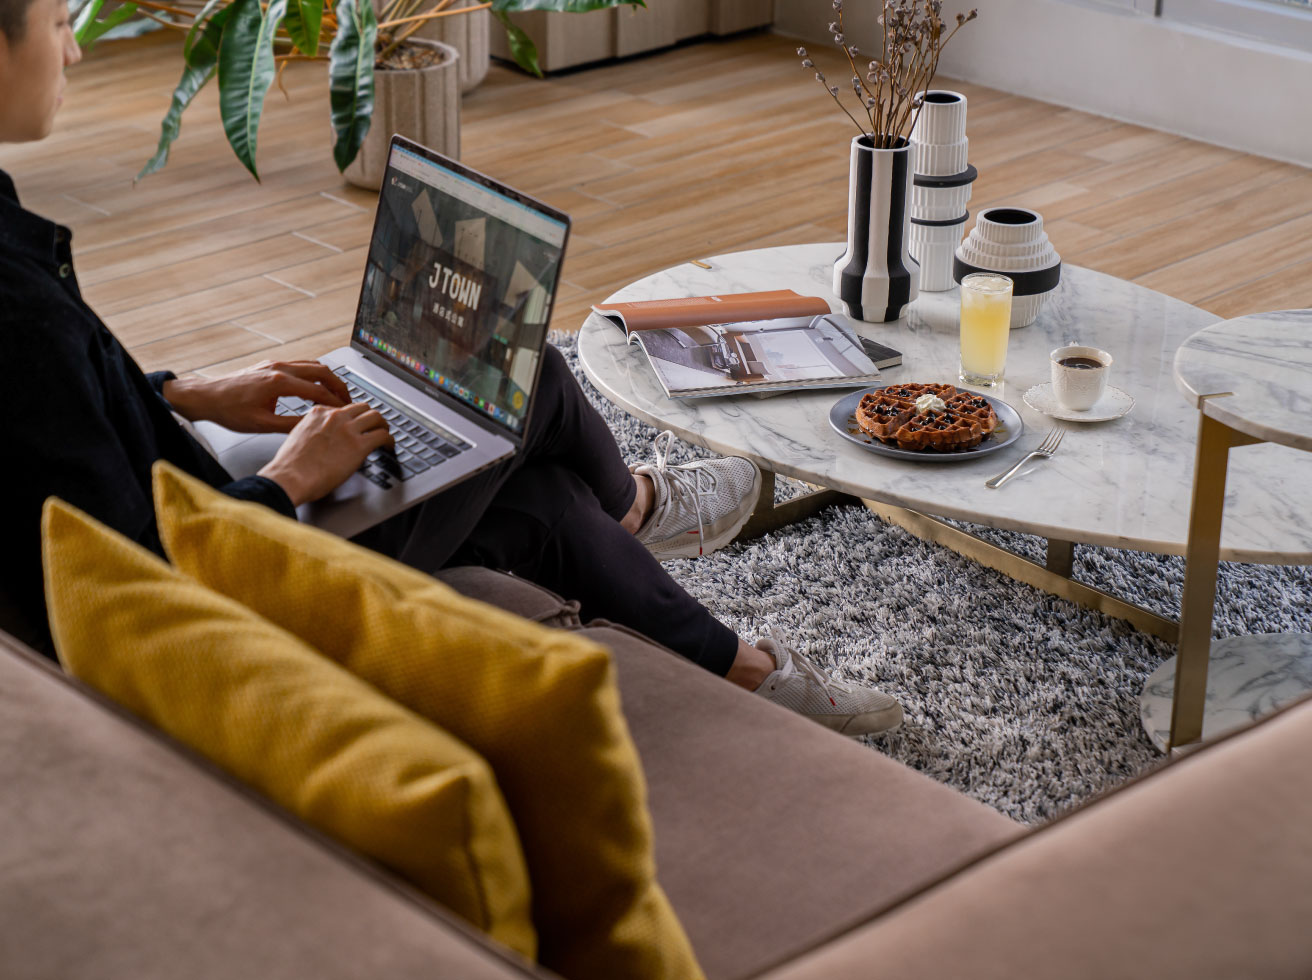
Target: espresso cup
<point x="1079" y="376"/>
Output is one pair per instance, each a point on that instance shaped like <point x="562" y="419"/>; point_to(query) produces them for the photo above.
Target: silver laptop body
<point x="448" y="338"/>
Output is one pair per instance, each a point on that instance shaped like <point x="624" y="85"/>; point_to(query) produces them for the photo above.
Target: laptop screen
<point x="459" y="282"/>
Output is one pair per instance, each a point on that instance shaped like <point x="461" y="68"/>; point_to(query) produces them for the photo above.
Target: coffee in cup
<point x="1079" y="376"/>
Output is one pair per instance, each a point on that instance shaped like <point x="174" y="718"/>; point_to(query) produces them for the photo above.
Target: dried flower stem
<point x="934" y="68"/>
<point x="913" y="40"/>
<point x="856" y="73"/>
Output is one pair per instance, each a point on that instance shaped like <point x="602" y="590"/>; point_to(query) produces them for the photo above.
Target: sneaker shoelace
<point x="697" y="483"/>
<point x="799" y="664"/>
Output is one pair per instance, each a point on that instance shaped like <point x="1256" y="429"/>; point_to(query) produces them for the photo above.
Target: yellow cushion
<point x="540" y="705"/>
<point x="279" y="716"/>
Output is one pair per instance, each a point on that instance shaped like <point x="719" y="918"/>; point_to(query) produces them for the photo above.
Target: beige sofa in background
<point x="567" y="40"/>
<point x="788" y="852"/>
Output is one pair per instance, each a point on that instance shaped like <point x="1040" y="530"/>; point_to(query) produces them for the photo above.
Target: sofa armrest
<point x="123" y="855"/>
<point x="1199" y="869"/>
<point x="513" y="594"/>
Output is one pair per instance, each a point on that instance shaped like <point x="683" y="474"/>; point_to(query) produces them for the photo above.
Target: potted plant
<point x="246" y="43"/>
<point x="876" y="278"/>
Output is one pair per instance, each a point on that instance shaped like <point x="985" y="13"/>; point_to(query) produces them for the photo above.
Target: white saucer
<point x="1112" y="405"/>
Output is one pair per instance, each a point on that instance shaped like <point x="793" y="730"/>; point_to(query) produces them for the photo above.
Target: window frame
<point x="1281" y="22"/>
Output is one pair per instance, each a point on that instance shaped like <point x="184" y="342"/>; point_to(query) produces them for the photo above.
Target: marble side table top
<point x="1124" y="483"/>
<point x="1254" y="374"/>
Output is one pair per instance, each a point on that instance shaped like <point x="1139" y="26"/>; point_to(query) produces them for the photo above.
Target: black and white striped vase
<point x="876" y="278"/>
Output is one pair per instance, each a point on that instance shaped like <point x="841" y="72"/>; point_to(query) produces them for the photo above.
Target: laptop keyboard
<point x="419" y="446"/>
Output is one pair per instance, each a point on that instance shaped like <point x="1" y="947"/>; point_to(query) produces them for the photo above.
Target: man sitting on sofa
<point x="564" y="512"/>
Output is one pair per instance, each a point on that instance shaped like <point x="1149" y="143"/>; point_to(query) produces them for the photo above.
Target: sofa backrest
<point x="1200" y="869"/>
<point x="121" y="855"/>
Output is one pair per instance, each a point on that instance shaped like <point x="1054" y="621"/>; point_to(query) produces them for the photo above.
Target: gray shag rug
<point x="1024" y="701"/>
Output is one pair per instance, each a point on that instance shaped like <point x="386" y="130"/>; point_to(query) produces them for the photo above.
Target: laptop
<point x="448" y="338"/>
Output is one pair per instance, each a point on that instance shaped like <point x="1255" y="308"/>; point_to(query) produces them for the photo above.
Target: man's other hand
<point x="245" y="401"/>
<point x="326" y="446"/>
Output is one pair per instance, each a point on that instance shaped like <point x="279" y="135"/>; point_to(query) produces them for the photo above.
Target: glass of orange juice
<point x="985" y="327"/>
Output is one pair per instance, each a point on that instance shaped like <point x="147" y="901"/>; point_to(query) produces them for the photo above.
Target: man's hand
<point x="245" y="402"/>
<point x="325" y="448"/>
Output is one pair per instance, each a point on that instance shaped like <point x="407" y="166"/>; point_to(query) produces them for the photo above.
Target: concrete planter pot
<point x="565" y="40"/>
<point x="422" y="105"/>
<point x="468" y="34"/>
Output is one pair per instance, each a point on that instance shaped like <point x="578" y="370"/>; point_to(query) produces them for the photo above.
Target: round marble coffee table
<point x="1124" y="483"/>
<point x="1250" y="381"/>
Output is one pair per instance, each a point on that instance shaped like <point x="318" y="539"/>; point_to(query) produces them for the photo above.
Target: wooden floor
<point x="708" y="148"/>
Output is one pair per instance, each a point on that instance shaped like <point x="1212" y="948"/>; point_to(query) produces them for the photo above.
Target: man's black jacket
<point x="80" y="419"/>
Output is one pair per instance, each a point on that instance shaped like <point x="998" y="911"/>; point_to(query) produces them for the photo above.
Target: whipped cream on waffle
<point x="930" y="402"/>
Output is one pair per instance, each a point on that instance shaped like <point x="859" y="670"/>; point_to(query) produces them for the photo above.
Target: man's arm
<point x="325" y="446"/>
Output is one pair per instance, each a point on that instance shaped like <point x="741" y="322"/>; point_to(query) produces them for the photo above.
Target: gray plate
<point x="843" y="418"/>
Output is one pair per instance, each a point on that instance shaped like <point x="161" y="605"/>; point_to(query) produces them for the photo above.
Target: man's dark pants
<point x="551" y="514"/>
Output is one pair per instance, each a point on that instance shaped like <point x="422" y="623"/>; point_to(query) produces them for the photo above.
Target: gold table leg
<point x="1054" y="577"/>
<point x="1061" y="557"/>
<point x="1201" y="557"/>
<point x="769" y="517"/>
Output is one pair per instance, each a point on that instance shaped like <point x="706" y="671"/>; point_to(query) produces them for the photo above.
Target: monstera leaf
<point x="238" y="41"/>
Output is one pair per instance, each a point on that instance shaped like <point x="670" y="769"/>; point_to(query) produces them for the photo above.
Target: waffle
<point x="889" y="415"/>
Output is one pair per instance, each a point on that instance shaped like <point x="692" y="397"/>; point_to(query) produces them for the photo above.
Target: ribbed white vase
<point x="1012" y="241"/>
<point x="941" y="186"/>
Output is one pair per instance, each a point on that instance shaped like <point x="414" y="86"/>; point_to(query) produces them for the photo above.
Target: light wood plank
<point x="1234" y="263"/>
<point x="173" y="279"/>
<point x="158" y="321"/>
<point x="334" y="308"/>
<point x="1132" y="256"/>
<point x="1289" y="288"/>
<point x="196" y="349"/>
<point x="305" y="349"/>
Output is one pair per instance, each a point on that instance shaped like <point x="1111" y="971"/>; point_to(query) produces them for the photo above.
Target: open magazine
<point x="757" y="356"/>
<point x="749" y="343"/>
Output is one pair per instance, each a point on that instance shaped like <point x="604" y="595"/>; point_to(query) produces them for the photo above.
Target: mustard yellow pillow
<point x="540" y="705"/>
<point x="279" y="716"/>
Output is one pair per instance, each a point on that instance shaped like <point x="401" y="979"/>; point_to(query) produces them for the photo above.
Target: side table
<point x="1251" y="381"/>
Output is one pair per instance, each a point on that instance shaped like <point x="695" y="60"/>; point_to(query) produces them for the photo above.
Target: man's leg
<point x="546" y="525"/>
<point x="564" y="428"/>
<point x="574" y="542"/>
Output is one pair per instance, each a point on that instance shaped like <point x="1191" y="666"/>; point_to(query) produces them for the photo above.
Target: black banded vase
<point x="876" y="278"/>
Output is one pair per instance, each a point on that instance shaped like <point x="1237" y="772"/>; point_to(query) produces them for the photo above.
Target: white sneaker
<point x="801" y="686"/>
<point x="700" y="506"/>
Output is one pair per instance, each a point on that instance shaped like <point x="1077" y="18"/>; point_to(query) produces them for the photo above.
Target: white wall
<point x="1114" y="59"/>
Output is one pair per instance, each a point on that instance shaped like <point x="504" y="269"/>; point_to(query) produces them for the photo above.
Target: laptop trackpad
<point x="354" y="487"/>
<point x="247" y="457"/>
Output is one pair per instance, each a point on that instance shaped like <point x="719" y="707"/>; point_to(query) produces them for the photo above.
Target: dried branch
<point x="888" y="93"/>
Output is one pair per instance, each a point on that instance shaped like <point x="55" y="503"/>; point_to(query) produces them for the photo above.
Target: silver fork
<point x="1046" y="448"/>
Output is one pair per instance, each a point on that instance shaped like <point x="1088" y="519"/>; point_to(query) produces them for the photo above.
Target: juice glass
<point x="985" y="327"/>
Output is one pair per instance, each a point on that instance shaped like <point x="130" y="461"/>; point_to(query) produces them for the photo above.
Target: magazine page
<point x="695" y="311"/>
<point x="761" y="355"/>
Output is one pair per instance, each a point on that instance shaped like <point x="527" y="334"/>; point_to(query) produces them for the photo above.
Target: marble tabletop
<point x="1254" y="374"/>
<point x="1124" y="483"/>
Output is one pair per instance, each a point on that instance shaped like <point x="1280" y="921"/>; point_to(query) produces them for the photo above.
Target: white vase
<point x="421" y="104"/>
<point x="934" y="247"/>
<point x="1012" y="241"/>
<point x="941" y="186"/>
<point x="876" y="278"/>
